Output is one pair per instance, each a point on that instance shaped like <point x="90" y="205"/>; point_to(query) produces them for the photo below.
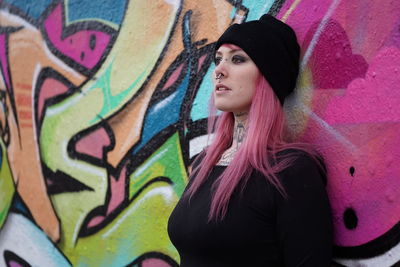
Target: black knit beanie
<point x="273" y="47"/>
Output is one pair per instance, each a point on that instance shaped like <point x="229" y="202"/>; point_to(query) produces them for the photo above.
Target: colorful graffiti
<point x="102" y="110"/>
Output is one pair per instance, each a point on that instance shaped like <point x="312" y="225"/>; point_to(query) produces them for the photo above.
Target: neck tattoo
<point x="238" y="137"/>
<point x="239" y="134"/>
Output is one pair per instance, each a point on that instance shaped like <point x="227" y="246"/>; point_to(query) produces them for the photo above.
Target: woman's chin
<point x="223" y="108"/>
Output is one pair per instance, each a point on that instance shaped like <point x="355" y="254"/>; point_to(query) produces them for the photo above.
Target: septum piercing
<point x="219" y="76"/>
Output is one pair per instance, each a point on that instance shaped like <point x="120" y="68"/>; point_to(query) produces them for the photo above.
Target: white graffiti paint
<point x="390" y="258"/>
<point x="22" y="237"/>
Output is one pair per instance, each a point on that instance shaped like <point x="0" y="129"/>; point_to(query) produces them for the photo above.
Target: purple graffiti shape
<point x="333" y="63"/>
<point x="85" y="47"/>
<point x="394" y="38"/>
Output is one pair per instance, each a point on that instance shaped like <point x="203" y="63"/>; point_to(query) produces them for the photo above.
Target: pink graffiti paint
<point x="373" y="99"/>
<point x="94" y="143"/>
<point x="372" y="190"/>
<point x="95" y="221"/>
<point x="178" y="70"/>
<point x="14" y="263"/>
<point x="117" y="190"/>
<point x="4" y="61"/>
<point x="117" y="195"/>
<point x="356" y="122"/>
<point x="173" y="78"/>
<point x="85" y="47"/>
<point x="49" y="89"/>
<point x="332" y="62"/>
<point x="367" y="115"/>
<point x="153" y="262"/>
<point x="369" y="24"/>
<point x="303" y="17"/>
<point x="201" y="61"/>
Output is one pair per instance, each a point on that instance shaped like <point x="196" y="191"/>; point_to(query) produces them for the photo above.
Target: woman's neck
<point x="240" y="129"/>
<point x="239" y="132"/>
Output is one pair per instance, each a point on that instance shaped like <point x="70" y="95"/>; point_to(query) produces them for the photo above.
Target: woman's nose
<point x="221" y="68"/>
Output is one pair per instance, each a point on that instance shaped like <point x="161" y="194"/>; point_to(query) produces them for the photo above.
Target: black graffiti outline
<point x="56" y="181"/>
<point x="71" y="147"/>
<point x="126" y="159"/>
<point x="11" y="256"/>
<point x="101" y="210"/>
<point x="133" y="161"/>
<point x="153" y="255"/>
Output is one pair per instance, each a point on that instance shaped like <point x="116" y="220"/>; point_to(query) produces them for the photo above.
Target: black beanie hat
<point x="273" y="47"/>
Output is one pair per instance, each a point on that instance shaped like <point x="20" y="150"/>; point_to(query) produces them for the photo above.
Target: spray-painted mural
<point x="104" y="104"/>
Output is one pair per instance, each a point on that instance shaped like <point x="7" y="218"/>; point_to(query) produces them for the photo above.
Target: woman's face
<point x="234" y="78"/>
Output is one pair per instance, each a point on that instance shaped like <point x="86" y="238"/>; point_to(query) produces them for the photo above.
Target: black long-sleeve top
<point x="261" y="227"/>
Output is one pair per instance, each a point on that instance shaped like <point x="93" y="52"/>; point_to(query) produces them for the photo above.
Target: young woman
<point x="253" y="198"/>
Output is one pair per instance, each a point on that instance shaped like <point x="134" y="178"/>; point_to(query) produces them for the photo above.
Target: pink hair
<point x="265" y="126"/>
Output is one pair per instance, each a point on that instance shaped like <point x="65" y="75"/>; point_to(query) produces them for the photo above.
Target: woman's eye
<point x="217" y="60"/>
<point x="238" y="59"/>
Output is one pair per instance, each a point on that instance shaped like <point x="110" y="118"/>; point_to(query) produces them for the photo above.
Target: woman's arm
<point x="304" y="222"/>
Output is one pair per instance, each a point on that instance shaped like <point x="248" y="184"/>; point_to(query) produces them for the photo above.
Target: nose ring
<point x="219" y="76"/>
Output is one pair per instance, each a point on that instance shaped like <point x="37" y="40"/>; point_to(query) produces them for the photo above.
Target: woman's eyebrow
<point x="235" y="50"/>
<point x="230" y="51"/>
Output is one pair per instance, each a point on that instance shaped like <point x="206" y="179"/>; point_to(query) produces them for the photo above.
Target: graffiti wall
<point x="103" y="105"/>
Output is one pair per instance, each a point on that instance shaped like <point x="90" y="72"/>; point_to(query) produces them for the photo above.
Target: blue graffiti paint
<point x="257" y="8"/>
<point x="111" y="10"/>
<point x="167" y="111"/>
<point x="32" y="9"/>
<point x="19" y="206"/>
<point x="200" y="103"/>
<point x="164" y="113"/>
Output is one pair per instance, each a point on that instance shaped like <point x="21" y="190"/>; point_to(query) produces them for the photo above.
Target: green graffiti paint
<point x="113" y="102"/>
<point x="141" y="227"/>
<point x="7" y="188"/>
<point x="167" y="162"/>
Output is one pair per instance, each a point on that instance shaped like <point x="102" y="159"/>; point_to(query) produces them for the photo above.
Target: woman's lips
<point x="221" y="88"/>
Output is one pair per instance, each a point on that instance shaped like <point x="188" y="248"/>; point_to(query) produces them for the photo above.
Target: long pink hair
<point x="259" y="150"/>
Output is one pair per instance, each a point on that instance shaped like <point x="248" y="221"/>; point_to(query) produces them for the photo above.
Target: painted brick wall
<point x="104" y="103"/>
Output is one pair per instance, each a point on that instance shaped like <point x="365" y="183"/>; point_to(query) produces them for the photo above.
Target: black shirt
<point x="261" y="227"/>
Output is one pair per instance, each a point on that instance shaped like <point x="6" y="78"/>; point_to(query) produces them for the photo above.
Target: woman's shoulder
<point x="303" y="169"/>
<point x="297" y="152"/>
<point x="300" y="158"/>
